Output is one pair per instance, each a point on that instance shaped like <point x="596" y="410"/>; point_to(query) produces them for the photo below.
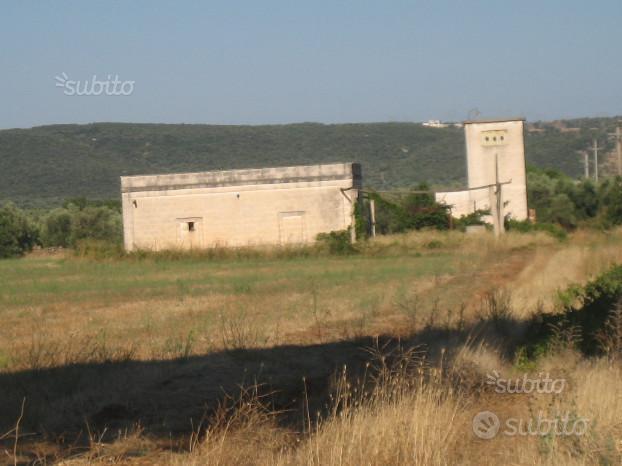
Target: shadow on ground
<point x="168" y="397"/>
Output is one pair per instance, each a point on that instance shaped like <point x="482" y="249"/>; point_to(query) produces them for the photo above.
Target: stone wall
<point x="287" y="205"/>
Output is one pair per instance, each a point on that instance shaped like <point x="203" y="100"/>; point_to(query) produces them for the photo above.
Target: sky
<point x="328" y="61"/>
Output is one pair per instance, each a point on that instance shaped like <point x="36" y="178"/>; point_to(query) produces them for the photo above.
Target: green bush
<point x="97" y="223"/>
<point x="56" y="228"/>
<point x="81" y="219"/>
<point x="612" y="201"/>
<point x="474" y="218"/>
<point x="559" y="199"/>
<point x="18" y="234"/>
<point x="337" y="242"/>
<point x="583" y="319"/>
<point x="526" y="226"/>
<point x="414" y="211"/>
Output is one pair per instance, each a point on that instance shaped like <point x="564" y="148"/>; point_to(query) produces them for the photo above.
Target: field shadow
<point x="169" y="398"/>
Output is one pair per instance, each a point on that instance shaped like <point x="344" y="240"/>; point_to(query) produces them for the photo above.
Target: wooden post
<point x="352" y="202"/>
<point x="619" y="149"/>
<point x="353" y="227"/>
<point x="595" y="149"/>
<point x="372" y="216"/>
<point x="498" y="208"/>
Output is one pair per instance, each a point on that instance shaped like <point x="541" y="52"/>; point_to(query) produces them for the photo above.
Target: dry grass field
<point x="294" y="357"/>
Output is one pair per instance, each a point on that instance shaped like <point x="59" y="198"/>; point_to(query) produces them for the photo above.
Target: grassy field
<point x="254" y="357"/>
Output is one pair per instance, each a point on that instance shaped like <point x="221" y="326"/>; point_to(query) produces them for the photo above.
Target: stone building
<point x="286" y="205"/>
<point x="495" y="152"/>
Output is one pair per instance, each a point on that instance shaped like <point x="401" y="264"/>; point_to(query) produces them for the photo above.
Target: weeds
<point x="610" y="336"/>
<point x="496" y="306"/>
<point x="564" y="336"/>
<point x="175" y="348"/>
<point x="239" y="332"/>
<point x="410" y="306"/>
<point x="42" y="353"/>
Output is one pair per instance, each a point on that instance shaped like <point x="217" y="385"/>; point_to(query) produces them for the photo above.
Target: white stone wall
<point x="238" y="207"/>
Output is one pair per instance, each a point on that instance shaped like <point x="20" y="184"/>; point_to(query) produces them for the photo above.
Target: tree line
<point x="77" y="220"/>
<point x="561" y="203"/>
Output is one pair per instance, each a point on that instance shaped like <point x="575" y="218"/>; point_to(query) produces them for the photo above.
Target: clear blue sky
<point x="236" y="62"/>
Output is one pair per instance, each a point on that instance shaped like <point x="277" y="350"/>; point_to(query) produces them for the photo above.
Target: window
<point x="495" y="137"/>
<point x="190" y="226"/>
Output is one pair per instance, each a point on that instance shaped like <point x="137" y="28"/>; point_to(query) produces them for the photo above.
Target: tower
<point x="496" y="154"/>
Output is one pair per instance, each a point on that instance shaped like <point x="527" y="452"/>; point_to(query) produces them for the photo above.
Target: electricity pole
<point x="586" y="163"/>
<point x="497" y="218"/>
<point x="595" y="149"/>
<point x="619" y="149"/>
<point x="618" y="137"/>
<point x="372" y="217"/>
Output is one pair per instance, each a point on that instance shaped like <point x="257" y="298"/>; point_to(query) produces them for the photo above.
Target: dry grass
<point x="414" y="418"/>
<point x="586" y="255"/>
<point x="198" y="326"/>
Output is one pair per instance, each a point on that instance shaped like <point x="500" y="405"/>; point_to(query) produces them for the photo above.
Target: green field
<point x="119" y="359"/>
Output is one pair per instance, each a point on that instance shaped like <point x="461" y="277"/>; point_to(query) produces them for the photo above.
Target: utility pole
<point x="618" y="137"/>
<point x="619" y="149"/>
<point x="372" y="217"/>
<point x="497" y="219"/>
<point x="595" y="149"/>
<point x="586" y="163"/>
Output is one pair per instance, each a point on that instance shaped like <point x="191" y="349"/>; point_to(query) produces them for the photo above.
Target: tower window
<point x="495" y="137"/>
<point x="190" y="226"/>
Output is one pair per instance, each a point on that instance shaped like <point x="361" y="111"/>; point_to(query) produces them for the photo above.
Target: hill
<point x="43" y="165"/>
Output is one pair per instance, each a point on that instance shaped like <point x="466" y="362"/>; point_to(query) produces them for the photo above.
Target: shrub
<point x="337" y="242"/>
<point x="413" y="212"/>
<point x="586" y="317"/>
<point x="474" y="218"/>
<point x="56" y="228"/>
<point x="558" y="198"/>
<point x="612" y="199"/>
<point x="18" y="233"/>
<point x="563" y="211"/>
<point x="98" y="223"/>
<point x="81" y="219"/>
<point x="525" y="227"/>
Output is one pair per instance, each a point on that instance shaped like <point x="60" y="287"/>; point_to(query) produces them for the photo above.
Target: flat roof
<point x="249" y="176"/>
<point x="494" y="120"/>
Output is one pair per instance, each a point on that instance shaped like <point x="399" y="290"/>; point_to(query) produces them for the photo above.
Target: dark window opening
<point x="135" y="203"/>
<point x="190" y="226"/>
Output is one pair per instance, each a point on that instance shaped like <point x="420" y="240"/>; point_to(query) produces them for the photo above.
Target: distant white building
<point x="435" y="124"/>
<point x="495" y="151"/>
